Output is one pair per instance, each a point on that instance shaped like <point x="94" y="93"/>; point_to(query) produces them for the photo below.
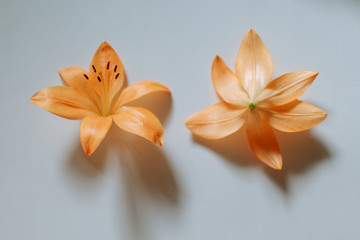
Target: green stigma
<point x="251" y="106"/>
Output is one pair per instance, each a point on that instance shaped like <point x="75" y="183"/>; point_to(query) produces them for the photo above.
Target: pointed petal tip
<point x="189" y="121"/>
<point x="324" y="116"/>
<point x="63" y="72"/>
<point x="88" y="152"/>
<point x="217" y="59"/>
<point x="187" y="124"/>
<point x="311" y="73"/>
<point x="277" y="165"/>
<point x="159" y="141"/>
<point x="87" y="149"/>
<point x="251" y="31"/>
<point x="315" y="73"/>
<point x="105" y="43"/>
<point x="33" y="98"/>
<point x="105" y="46"/>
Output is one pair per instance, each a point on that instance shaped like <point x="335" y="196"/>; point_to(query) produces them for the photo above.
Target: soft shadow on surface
<point x="233" y="148"/>
<point x="301" y="151"/>
<point x="145" y="170"/>
<point x="162" y="107"/>
<point x="149" y="181"/>
<point x="88" y="166"/>
<point x="146" y="167"/>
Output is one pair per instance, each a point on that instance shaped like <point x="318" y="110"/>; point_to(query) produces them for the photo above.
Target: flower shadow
<point x="301" y="151"/>
<point x="148" y="180"/>
<point x="162" y="110"/>
<point x="233" y="148"/>
<point x="146" y="172"/>
<point x="144" y="166"/>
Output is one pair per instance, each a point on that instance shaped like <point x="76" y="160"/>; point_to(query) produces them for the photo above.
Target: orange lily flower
<point x="249" y="98"/>
<point x="96" y="97"/>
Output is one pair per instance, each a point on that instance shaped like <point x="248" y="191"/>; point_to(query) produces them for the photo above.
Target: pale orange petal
<point x="78" y="78"/>
<point x="93" y="129"/>
<point x="107" y="71"/>
<point x="286" y="88"/>
<point x="254" y="65"/>
<point x="295" y="116"/>
<point x="141" y="122"/>
<point x="227" y="85"/>
<point x="64" y="101"/>
<point x="217" y="121"/>
<point x="138" y="90"/>
<point x="262" y="140"/>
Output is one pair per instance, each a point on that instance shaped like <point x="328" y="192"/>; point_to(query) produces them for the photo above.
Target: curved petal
<point x="141" y="122"/>
<point x="253" y="65"/>
<point x="217" y="121"/>
<point x="262" y="141"/>
<point x="107" y="70"/>
<point x="78" y="78"/>
<point x="93" y="129"/>
<point x="138" y="90"/>
<point x="286" y="88"/>
<point x="227" y="85"/>
<point x="295" y="116"/>
<point x="64" y="101"/>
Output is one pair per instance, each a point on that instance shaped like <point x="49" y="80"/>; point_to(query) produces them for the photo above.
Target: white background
<point x="190" y="188"/>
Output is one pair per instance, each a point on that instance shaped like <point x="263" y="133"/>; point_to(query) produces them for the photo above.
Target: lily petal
<point x="64" y="101"/>
<point x="217" y="121"/>
<point x="138" y="90"/>
<point x="254" y="65"/>
<point x="295" y="116"/>
<point x="227" y="85"/>
<point x="286" y="88"/>
<point x="141" y="122"/>
<point x="262" y="141"/>
<point x="78" y="78"/>
<point x="107" y="70"/>
<point x="93" y="129"/>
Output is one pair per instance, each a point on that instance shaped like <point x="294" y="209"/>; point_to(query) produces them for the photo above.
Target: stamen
<point x="99" y="79"/>
<point x="107" y="67"/>
<point x="115" y="68"/>
<point x="117" y="75"/>
<point x="86" y="76"/>
<point x="94" y="68"/>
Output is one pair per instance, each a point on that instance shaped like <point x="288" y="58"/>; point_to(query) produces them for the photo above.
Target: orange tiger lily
<point x="249" y="98"/>
<point x="96" y="97"/>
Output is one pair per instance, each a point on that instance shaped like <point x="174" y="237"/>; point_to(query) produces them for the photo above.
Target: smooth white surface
<point x="191" y="188"/>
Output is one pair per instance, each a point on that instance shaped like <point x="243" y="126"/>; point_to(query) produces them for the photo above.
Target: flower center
<point x="252" y="106"/>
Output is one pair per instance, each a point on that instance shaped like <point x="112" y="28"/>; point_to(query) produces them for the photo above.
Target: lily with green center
<point x="250" y="99"/>
<point x="98" y="98"/>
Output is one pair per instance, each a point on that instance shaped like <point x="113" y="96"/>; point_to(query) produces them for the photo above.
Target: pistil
<point x="252" y="106"/>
